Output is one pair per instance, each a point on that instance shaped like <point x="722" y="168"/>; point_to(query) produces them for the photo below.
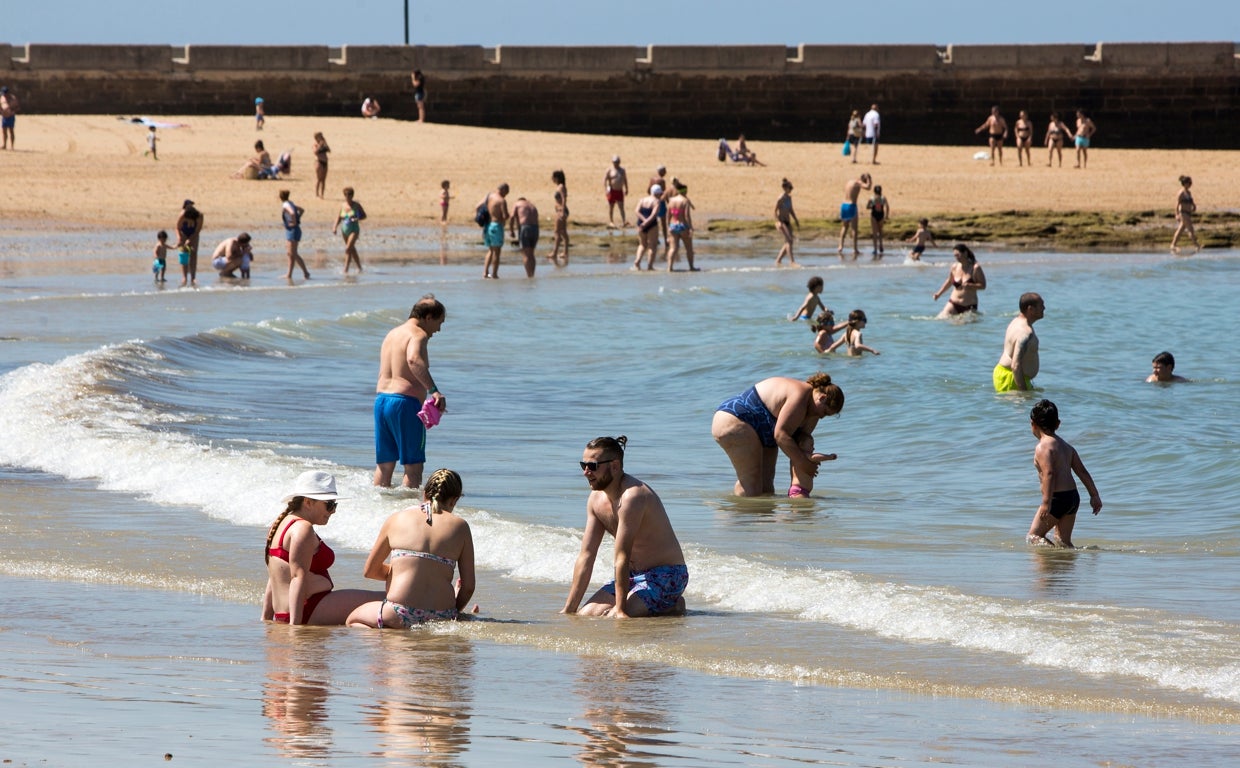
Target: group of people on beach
<point x="420" y="549"/>
<point x="996" y="129"/>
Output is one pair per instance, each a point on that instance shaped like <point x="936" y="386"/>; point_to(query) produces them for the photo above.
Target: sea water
<point x="898" y="617"/>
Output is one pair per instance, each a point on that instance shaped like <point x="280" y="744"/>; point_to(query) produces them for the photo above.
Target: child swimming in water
<point x="1055" y="461"/>
<point x="852" y="336"/>
<point x="812" y="301"/>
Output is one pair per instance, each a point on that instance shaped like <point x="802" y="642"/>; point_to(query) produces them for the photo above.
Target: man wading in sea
<point x="404" y="384"/>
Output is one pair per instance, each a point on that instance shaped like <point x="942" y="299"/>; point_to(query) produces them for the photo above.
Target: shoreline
<point x="87" y="173"/>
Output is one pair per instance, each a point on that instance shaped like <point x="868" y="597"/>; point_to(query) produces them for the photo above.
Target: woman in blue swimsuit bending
<point x="416" y="553"/>
<point x="776" y="414"/>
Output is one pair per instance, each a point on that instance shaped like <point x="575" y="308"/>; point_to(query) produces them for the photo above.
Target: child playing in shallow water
<point x="1055" y="461"/>
<point x="160" y="265"/>
<point x="920" y="238"/>
<point x="852" y="336"/>
<point x="444" y="196"/>
<point x="824" y="326"/>
<point x="812" y="300"/>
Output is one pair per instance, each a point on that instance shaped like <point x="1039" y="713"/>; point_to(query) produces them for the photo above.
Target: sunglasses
<point x="331" y="505"/>
<point x="593" y="465"/>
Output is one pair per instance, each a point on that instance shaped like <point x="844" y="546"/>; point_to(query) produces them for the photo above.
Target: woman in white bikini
<point x="426" y="545"/>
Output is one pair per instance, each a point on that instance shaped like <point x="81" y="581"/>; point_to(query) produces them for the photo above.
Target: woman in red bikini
<point x="299" y="588"/>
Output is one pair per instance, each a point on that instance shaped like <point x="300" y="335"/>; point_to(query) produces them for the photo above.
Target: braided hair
<point x="444" y="484"/>
<point x="293" y="507"/>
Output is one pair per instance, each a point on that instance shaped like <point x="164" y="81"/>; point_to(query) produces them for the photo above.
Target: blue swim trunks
<point x="293" y="235"/>
<point x="750" y="409"/>
<point x="493" y="235"/>
<point x="1082" y="142"/>
<point x="659" y="588"/>
<point x="848" y="211"/>
<point x="399" y="434"/>
<point x="8" y="122"/>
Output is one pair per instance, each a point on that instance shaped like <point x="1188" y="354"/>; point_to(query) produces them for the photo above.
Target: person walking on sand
<point x="290" y="216"/>
<point x="848" y="212"/>
<point x="9" y="107"/>
<point x="1018" y="365"/>
<point x="1056" y="461"/>
<point x="320" y="165"/>
<point x="873" y="128"/>
<point x="616" y="185"/>
<point x="1085" y="130"/>
<point x="856" y="131"/>
<point x="151" y="141"/>
<point x="1056" y="133"/>
<point x="348" y="223"/>
<point x="561" y="218"/>
<point x="405" y="382"/>
<point x="650" y="574"/>
<point x="996" y="131"/>
<point x="493" y="235"/>
<point x="784" y="217"/>
<point x="419" y="93"/>
<point x="523" y="226"/>
<point x="965" y="278"/>
<point x="416" y="554"/>
<point x="1185" y="208"/>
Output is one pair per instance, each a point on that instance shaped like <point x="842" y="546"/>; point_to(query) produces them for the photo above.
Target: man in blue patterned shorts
<point x="650" y="567"/>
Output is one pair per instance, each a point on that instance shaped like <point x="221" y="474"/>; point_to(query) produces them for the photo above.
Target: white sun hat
<point x="315" y="484"/>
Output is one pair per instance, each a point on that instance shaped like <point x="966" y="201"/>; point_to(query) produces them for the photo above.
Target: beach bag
<point x="847" y="148"/>
<point x="482" y="216"/>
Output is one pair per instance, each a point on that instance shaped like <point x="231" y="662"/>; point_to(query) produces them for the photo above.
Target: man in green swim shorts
<point x="493" y="234"/>
<point x="1019" y="363"/>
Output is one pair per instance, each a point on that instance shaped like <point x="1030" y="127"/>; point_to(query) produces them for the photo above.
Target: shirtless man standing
<point x="493" y="235"/>
<point x="9" y="108"/>
<point x="525" y="216"/>
<point x="650" y="567"/>
<point x="616" y="184"/>
<point x="997" y="130"/>
<point x="848" y="212"/>
<point x="1085" y="129"/>
<point x="404" y="383"/>
<point x="1019" y="363"/>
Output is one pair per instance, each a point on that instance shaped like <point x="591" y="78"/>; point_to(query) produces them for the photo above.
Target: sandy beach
<point x="90" y="171"/>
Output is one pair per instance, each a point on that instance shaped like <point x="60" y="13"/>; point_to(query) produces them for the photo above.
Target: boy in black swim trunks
<point x="1055" y="461"/>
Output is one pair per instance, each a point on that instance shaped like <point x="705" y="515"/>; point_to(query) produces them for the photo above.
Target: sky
<point x="625" y="22"/>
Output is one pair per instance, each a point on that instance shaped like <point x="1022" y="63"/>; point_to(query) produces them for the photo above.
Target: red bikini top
<point x="323" y="556"/>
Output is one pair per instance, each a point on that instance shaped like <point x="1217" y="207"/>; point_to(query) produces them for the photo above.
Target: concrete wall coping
<point x="455" y="62"/>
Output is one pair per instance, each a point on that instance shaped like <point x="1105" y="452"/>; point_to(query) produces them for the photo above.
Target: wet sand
<point x="87" y="172"/>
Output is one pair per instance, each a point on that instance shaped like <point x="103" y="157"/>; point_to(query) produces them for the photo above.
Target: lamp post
<point x="406" y="22"/>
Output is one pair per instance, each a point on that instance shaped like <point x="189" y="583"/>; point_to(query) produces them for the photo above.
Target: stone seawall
<point x="1184" y="95"/>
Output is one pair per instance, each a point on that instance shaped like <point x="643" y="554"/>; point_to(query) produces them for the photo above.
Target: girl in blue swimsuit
<point x="417" y="552"/>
